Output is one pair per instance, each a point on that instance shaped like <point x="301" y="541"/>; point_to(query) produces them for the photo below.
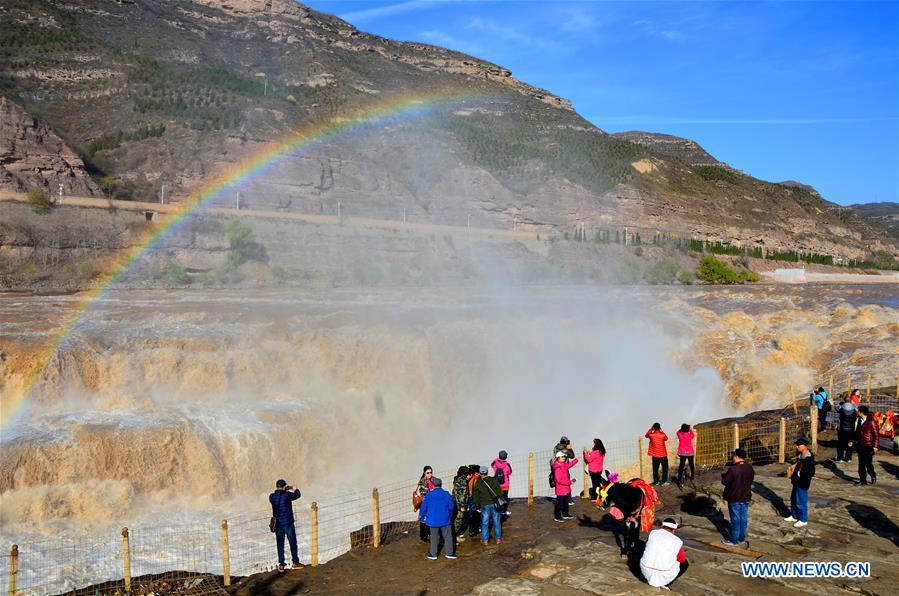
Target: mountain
<point x="884" y="214"/>
<point x="177" y="92"/>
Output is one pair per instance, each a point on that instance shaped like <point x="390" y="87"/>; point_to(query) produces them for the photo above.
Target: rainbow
<point x="391" y="110"/>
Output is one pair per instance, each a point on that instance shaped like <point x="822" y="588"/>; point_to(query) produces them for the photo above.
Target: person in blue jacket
<point x="282" y="510"/>
<point x="437" y="513"/>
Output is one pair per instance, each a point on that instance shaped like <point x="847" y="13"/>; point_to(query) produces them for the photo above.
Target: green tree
<point x="661" y="272"/>
<point x="108" y="185"/>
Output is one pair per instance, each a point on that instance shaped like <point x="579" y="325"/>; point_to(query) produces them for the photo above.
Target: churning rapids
<point x="169" y="405"/>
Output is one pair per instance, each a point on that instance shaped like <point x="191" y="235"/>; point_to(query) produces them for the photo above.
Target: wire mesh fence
<point x="197" y="558"/>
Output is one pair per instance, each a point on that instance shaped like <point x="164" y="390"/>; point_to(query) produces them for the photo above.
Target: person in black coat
<point x="801" y="479"/>
<point x="625" y="503"/>
<point x="282" y="510"/>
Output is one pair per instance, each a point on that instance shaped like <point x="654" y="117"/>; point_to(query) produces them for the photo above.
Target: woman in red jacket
<point x="563" y="485"/>
<point x="658" y="452"/>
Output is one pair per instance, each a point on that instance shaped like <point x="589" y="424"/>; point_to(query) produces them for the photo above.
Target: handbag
<point x="501" y="503"/>
<point x="417" y="500"/>
<point x="272" y="524"/>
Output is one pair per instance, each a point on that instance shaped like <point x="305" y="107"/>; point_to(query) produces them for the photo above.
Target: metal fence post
<point x="531" y="479"/>
<point x="642" y="457"/>
<point x="736" y="435"/>
<point x="813" y="427"/>
<point x="782" y="441"/>
<point x="375" y="518"/>
<point x="226" y="555"/>
<point x="314" y="540"/>
<point x="126" y="559"/>
<point x="13" y="568"/>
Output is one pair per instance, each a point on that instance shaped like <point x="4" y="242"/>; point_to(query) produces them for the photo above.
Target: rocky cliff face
<point x="179" y="92"/>
<point x="33" y="156"/>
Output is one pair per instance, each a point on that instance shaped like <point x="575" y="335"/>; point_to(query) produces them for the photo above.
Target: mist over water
<point x="189" y="403"/>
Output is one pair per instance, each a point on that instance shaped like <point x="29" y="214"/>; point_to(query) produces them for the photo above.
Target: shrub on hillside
<point x="712" y="270"/>
<point x="661" y="272"/>
<point x="39" y="200"/>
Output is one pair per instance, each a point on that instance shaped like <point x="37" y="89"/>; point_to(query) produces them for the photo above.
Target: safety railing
<point x="202" y="557"/>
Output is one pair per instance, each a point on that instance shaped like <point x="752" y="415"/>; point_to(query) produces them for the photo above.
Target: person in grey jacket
<point x="848" y="413"/>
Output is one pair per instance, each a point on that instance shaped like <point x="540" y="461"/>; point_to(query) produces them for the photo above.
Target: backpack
<point x="827" y="406"/>
<point x="500" y="476"/>
<point x="552" y="479"/>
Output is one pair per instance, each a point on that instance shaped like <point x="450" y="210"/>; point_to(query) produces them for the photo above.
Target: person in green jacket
<point x="486" y="490"/>
<point x="460" y="497"/>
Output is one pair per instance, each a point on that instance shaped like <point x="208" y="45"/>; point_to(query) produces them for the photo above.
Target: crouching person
<point x="663" y="560"/>
<point x="437" y="513"/>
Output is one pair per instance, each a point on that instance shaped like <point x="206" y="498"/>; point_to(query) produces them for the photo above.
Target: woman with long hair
<point x="425" y="485"/>
<point x="596" y="460"/>
<point x="686" y="452"/>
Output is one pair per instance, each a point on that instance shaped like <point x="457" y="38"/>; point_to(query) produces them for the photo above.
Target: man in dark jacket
<point x="485" y="492"/>
<point x="848" y="413"/>
<point x="625" y="503"/>
<point x="282" y="510"/>
<point x="866" y="445"/>
<point x="437" y="512"/>
<point x="737" y="482"/>
<point x="564" y="446"/>
<point x="801" y="479"/>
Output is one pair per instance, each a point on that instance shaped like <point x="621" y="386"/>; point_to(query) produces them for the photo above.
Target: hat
<point x="503" y="454"/>
<point x="437" y="482"/>
<point x="741" y="453"/>
<point x="561" y="454"/>
<point x="801" y="441"/>
<point x="564" y="439"/>
<point x="483" y="469"/>
<point x="670" y="523"/>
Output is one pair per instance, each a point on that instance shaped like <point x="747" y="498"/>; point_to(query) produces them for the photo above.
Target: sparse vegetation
<point x="242" y="246"/>
<point x="39" y="200"/>
<point x="661" y="272"/>
<point x="712" y="270"/>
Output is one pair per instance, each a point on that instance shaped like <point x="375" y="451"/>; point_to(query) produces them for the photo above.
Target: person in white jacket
<point x="663" y="560"/>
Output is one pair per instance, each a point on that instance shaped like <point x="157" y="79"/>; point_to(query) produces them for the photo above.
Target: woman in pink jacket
<point x="563" y="485"/>
<point x="595" y="459"/>
<point x="686" y="452"/>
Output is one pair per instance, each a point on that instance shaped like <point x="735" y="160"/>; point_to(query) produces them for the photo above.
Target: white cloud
<point x="578" y="21"/>
<point x="440" y="38"/>
<point x="371" y="14"/>
<point x="510" y="34"/>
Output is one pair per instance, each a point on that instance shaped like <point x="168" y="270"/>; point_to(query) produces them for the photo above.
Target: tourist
<point x="686" y="452"/>
<point x="817" y="399"/>
<point x="848" y="413"/>
<point x="625" y="504"/>
<point x="801" y="478"/>
<point x="474" y="516"/>
<point x="563" y="485"/>
<point x="663" y="560"/>
<point x="737" y="482"/>
<point x="437" y="512"/>
<point x="425" y="485"/>
<point x="564" y="445"/>
<point x="659" y="453"/>
<point x="865" y="441"/>
<point x="486" y="490"/>
<point x="282" y="512"/>
<point x="596" y="459"/>
<point x="856" y="397"/>
<point x="825" y="409"/>
<point x="460" y="497"/>
<point x="502" y="471"/>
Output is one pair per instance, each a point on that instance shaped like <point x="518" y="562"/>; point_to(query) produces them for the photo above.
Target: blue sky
<point x="807" y="91"/>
